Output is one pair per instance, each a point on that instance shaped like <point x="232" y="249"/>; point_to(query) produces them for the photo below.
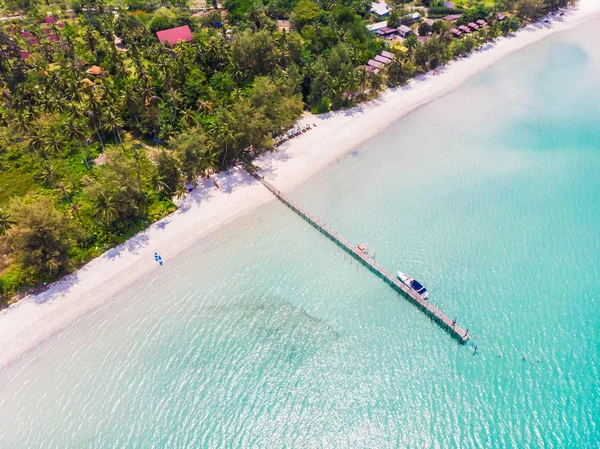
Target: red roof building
<point x="174" y="35"/>
<point x="50" y="20"/>
<point x="25" y="55"/>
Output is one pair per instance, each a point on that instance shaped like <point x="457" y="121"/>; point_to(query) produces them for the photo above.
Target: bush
<point x="322" y="107"/>
<point x="440" y="11"/>
<point x="141" y="5"/>
<point x="163" y="19"/>
<point x="14" y="279"/>
<point x="76" y="6"/>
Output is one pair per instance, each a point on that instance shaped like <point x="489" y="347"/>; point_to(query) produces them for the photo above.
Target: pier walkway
<point x="429" y="309"/>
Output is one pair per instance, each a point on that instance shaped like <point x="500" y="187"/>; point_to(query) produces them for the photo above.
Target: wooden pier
<point x="429" y="309"/>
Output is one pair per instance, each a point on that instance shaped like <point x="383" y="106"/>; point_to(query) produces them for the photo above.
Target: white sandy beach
<point x="34" y="319"/>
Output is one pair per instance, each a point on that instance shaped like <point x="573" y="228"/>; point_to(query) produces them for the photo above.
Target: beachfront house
<point x="387" y="54"/>
<point x="473" y="26"/>
<point x="456" y="32"/>
<point x="376" y="64"/>
<point x="465" y="29"/>
<point x="374" y="27"/>
<point x="410" y="18"/>
<point x="500" y="17"/>
<point x="481" y="22"/>
<point x="382" y="59"/>
<point x="452" y="17"/>
<point x="404" y="31"/>
<point x="380" y="9"/>
<point x="370" y="69"/>
<point x="387" y="32"/>
<point x="173" y="36"/>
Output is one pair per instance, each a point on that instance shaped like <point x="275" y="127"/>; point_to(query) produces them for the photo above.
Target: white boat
<point x="413" y="284"/>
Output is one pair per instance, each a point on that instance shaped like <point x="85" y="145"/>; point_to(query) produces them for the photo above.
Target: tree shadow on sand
<point x="133" y="245"/>
<point x="227" y="181"/>
<point x="43" y="294"/>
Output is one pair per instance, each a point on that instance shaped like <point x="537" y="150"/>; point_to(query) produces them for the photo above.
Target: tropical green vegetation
<point x="101" y="125"/>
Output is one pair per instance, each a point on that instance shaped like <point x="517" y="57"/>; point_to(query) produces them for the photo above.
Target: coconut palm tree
<point x="105" y="208"/>
<point x="93" y="126"/>
<point x="76" y="209"/>
<point x="210" y="159"/>
<point x="48" y="173"/>
<point x="4" y="222"/>
<point x="112" y="122"/>
<point x="53" y="142"/>
<point x="76" y="131"/>
<point x="204" y="106"/>
<point x="188" y="118"/>
<point x="35" y="141"/>
<point x="180" y="191"/>
<point x="223" y="134"/>
<point x="132" y="98"/>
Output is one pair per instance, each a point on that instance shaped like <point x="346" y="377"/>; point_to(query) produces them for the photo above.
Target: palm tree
<point x="113" y="123"/>
<point x="210" y="159"/>
<point x="48" y="173"/>
<point x="4" y="222"/>
<point x="204" y="106"/>
<point x="166" y="131"/>
<point x="36" y="141"/>
<point x="105" y="208"/>
<point x="187" y="118"/>
<point x="76" y="209"/>
<point x="90" y="37"/>
<point x="180" y="191"/>
<point x="224" y="135"/>
<point x="175" y="99"/>
<point x="131" y="98"/>
<point x="152" y="104"/>
<point x="66" y="192"/>
<point x="53" y="144"/>
<point x="138" y="161"/>
<point x="76" y="131"/>
<point x="92" y="124"/>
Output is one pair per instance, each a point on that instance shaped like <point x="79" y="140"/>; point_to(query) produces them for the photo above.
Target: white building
<point x="380" y="8"/>
<point x="377" y="26"/>
<point x="411" y="18"/>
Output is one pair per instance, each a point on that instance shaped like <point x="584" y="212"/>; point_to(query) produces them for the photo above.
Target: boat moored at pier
<point x="413" y="284"/>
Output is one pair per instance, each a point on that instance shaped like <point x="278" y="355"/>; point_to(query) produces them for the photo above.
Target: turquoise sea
<point x="266" y="335"/>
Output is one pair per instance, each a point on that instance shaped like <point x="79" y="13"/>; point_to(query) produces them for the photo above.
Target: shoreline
<point x="35" y="318"/>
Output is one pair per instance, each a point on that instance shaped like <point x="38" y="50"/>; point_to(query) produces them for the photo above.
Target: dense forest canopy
<point x="102" y="125"/>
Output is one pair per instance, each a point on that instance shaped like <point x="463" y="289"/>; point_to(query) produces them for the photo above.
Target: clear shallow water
<point x="266" y="335"/>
